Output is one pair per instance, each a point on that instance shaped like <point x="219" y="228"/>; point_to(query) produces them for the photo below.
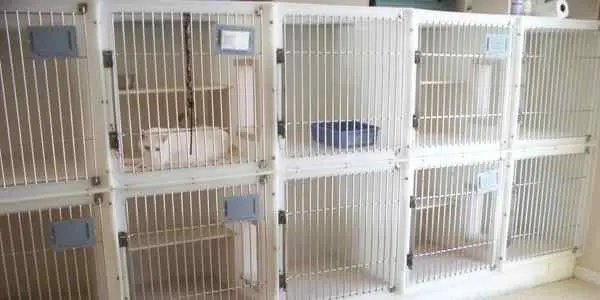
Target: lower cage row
<point x="341" y="235"/>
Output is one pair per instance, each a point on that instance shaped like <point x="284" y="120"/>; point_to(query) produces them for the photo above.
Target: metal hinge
<point x="96" y="181"/>
<point x="409" y="261"/>
<point x="279" y="56"/>
<point x="418" y="56"/>
<point x="413" y="202"/>
<point x="281" y="128"/>
<point x="263" y="179"/>
<point x="123" y="239"/>
<point x="113" y="140"/>
<point x="588" y="138"/>
<point x="281" y="218"/>
<point x="415" y="121"/>
<point x="520" y="118"/>
<point x="282" y="281"/>
<point x="107" y="58"/>
<point x="98" y="199"/>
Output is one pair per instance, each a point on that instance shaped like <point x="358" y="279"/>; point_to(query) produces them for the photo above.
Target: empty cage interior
<point x="460" y="84"/>
<point x="559" y="75"/>
<point x="452" y="221"/>
<point x="342" y="235"/>
<point x="30" y="268"/>
<point x="184" y="98"/>
<point x="344" y="84"/>
<point x="549" y="195"/>
<point x="184" y="245"/>
<point x="48" y="134"/>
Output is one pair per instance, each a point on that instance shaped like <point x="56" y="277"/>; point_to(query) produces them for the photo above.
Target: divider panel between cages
<point x="44" y="89"/>
<point x="548" y="197"/>
<point x="344" y="84"/>
<point x="208" y="244"/>
<point x="453" y="220"/>
<point x="32" y="266"/>
<point x="559" y="75"/>
<point x="343" y="235"/>
<point x="461" y="76"/>
<point x="190" y="90"/>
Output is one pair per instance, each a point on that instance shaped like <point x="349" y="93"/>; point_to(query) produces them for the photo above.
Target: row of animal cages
<point x="341" y="235"/>
<point x="191" y="90"/>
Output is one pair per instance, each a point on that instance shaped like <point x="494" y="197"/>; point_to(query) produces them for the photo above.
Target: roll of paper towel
<point x="554" y="8"/>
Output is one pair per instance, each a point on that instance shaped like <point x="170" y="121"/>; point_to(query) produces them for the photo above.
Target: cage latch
<point x="409" y="261"/>
<point x="415" y="121"/>
<point x="282" y="281"/>
<point x="107" y="59"/>
<point x="281" y="218"/>
<point x="413" y="202"/>
<point x="281" y="128"/>
<point x="279" y="56"/>
<point x="123" y="239"/>
<point x="113" y="140"/>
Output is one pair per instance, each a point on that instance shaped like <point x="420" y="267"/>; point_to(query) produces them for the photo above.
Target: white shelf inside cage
<point x="142" y="241"/>
<point x="469" y="134"/>
<point x="314" y="282"/>
<point x="201" y="287"/>
<point x="206" y="88"/>
<point x="302" y="145"/>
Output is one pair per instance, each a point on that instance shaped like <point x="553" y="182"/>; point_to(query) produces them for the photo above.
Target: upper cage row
<point x="205" y="86"/>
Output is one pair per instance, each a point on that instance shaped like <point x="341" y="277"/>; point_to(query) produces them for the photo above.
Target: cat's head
<point x="151" y="142"/>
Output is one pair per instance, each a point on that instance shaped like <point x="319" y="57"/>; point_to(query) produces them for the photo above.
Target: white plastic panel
<point x="31" y="269"/>
<point x="453" y="220"/>
<point x="185" y="99"/>
<point x="549" y="198"/>
<point x="461" y="84"/>
<point x="181" y="246"/>
<point x="340" y="70"/>
<point x="560" y="73"/>
<point x="342" y="235"/>
<point x="45" y="109"/>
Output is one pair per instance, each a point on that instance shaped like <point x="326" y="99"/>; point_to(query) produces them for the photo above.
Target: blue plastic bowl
<point x="344" y="134"/>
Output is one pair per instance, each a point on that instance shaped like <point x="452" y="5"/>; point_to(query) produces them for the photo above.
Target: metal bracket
<point x="588" y="137"/>
<point x="281" y="128"/>
<point x="587" y="150"/>
<point x="282" y="281"/>
<point x="415" y="121"/>
<point x="96" y="181"/>
<point x="281" y="218"/>
<point x="263" y="179"/>
<point x="123" y="239"/>
<point x="82" y="8"/>
<point x="279" y="56"/>
<point x="413" y="202"/>
<point x="258" y="12"/>
<point x="107" y="59"/>
<point x="98" y="198"/>
<point x="418" y="57"/>
<point x="113" y="140"/>
<point x="575" y="249"/>
<point x="410" y="261"/>
<point x="262" y="164"/>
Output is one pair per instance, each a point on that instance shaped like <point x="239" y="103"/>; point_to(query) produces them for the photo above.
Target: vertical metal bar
<point x="80" y="102"/>
<point x="70" y="111"/>
<point x="75" y="261"/>
<point x="21" y="238"/>
<point x="3" y="255"/>
<point x="8" y="135"/>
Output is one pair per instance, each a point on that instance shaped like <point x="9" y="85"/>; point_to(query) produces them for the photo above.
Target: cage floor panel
<point x="326" y="284"/>
<point x="529" y="246"/>
<point x="203" y="288"/>
<point x="479" y="135"/>
<point x="303" y="146"/>
<point x="449" y="263"/>
<point x="49" y="172"/>
<point x="141" y="241"/>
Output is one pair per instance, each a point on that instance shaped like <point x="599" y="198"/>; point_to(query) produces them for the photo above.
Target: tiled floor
<point x="570" y="289"/>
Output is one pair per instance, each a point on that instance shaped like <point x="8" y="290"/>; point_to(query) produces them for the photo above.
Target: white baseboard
<point x="587" y="275"/>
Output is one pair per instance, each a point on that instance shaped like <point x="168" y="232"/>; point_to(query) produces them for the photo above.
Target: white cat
<point x="166" y="147"/>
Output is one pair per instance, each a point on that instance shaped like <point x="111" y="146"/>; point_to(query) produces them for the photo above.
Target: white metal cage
<point x="29" y="266"/>
<point x="462" y="70"/>
<point x="181" y="245"/>
<point x="49" y="135"/>
<point x="345" y="81"/>
<point x="181" y="101"/>
<point x="342" y="236"/>
<point x="453" y="219"/>
<point x="559" y="73"/>
<point x="549" y="196"/>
